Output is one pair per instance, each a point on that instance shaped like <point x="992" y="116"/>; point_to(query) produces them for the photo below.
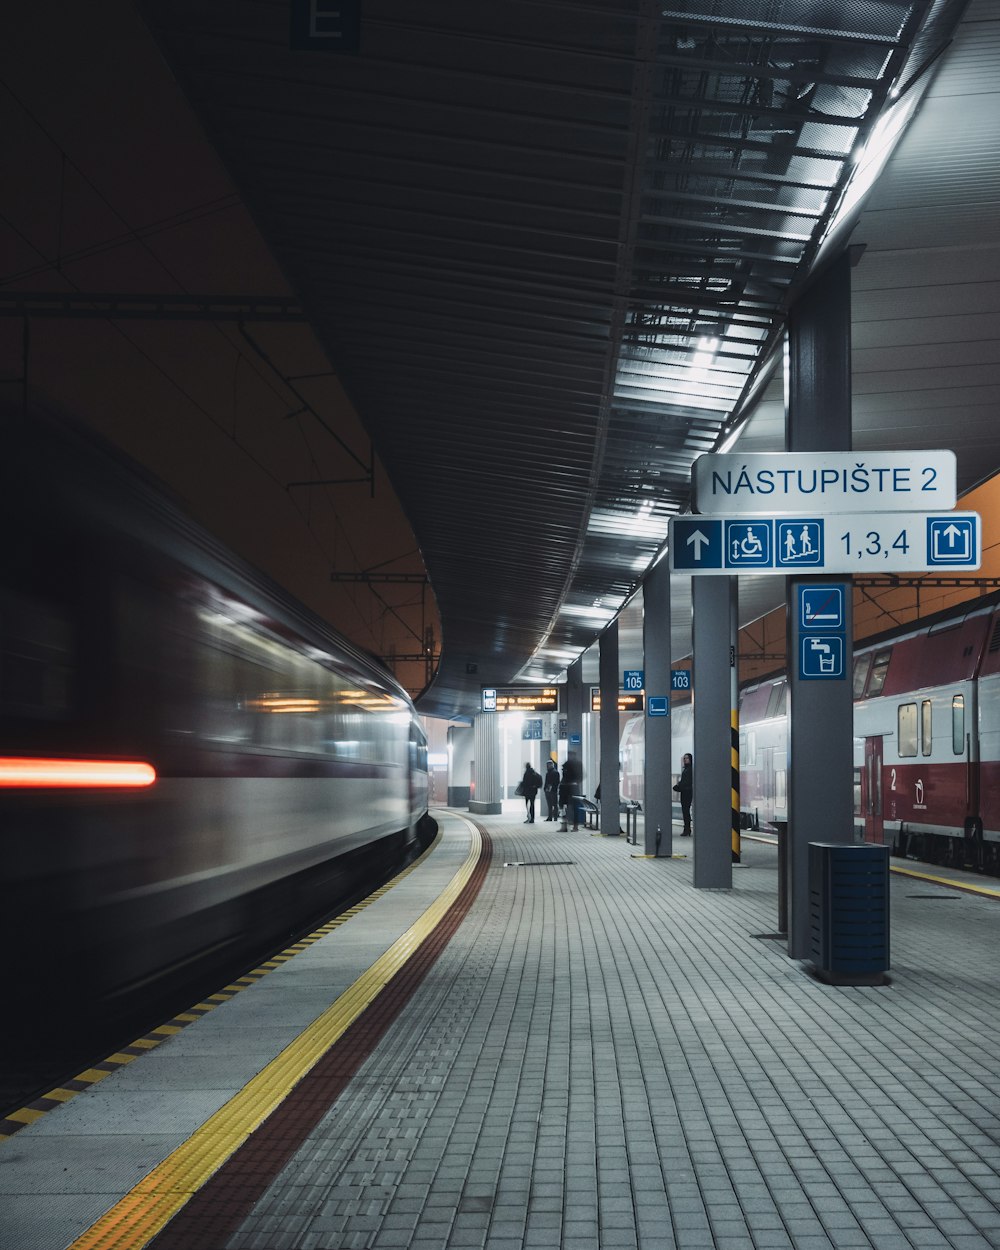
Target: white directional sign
<point x="821" y="483"/>
<point x="879" y="542"/>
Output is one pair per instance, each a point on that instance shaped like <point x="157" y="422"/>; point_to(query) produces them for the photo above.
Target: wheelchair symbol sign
<point x="748" y="544"/>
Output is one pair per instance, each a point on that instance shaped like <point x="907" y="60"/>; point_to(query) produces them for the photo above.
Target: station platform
<point x="537" y="1039"/>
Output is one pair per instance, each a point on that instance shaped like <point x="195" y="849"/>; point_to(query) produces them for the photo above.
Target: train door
<point x="871" y="791"/>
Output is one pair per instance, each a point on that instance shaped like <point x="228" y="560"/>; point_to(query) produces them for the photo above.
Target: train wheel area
<point x="540" y="1036"/>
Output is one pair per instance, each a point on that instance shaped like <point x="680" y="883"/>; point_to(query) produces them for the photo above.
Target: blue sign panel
<point x="952" y="541"/>
<point x="821" y="607"/>
<point x="680" y="679"/>
<point x="633" y="679"/>
<point x="696" y="543"/>
<point x="657" y="705"/>
<point x="489" y="699"/>
<point x="821" y="656"/>
<point x="748" y="544"/>
<point x="799" y="543"/>
<point x="895" y="542"/>
<point x="574" y="740"/>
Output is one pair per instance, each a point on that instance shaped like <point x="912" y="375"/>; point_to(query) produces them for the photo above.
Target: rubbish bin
<point x="849" y="912"/>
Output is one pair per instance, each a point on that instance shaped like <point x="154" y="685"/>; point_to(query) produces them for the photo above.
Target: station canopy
<point x="549" y="248"/>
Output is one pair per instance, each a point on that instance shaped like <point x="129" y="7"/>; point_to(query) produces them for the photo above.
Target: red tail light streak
<point x="49" y="774"/>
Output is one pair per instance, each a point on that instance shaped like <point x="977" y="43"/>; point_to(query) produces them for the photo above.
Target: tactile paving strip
<point x="205" y="1188"/>
<point x="14" y="1121"/>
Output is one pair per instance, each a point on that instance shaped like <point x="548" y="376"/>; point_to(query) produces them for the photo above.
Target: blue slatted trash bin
<point x="849" y="912"/>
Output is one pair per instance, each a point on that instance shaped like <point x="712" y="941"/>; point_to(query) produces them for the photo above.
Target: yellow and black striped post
<point x="734" y="763"/>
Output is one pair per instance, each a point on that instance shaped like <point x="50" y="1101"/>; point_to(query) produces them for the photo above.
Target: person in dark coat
<point x="530" y="783"/>
<point x="552" y="789"/>
<point x="569" y="790"/>
<point x="685" y="788"/>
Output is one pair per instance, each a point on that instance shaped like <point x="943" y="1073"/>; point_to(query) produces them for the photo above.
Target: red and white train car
<point x="927" y="736"/>
<point x="926" y="739"/>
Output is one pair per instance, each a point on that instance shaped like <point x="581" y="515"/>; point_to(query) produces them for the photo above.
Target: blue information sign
<point x="822" y="655"/>
<point x="822" y="623"/>
<point x="680" y="679"/>
<point x="657" y="705"/>
<point x="821" y="607"/>
<point x="895" y="542"/>
<point x="633" y="679"/>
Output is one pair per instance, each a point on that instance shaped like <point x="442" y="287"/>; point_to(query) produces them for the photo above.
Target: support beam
<point x="821" y="737"/>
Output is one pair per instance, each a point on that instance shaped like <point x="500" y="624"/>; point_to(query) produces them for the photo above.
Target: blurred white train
<point x="191" y="763"/>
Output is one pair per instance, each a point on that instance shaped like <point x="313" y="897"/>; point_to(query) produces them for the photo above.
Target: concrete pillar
<point x="711" y="807"/>
<point x="610" y="733"/>
<point x="574" y="708"/>
<point x="488" y="800"/>
<point x="658" y="799"/>
<point x="820" y="756"/>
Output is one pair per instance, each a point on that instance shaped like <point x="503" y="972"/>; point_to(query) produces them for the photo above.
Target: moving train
<point x="926" y="739"/>
<point x="191" y="763"/>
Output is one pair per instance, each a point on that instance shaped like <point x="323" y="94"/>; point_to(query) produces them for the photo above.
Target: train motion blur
<point x="926" y="739"/>
<point x="290" y="767"/>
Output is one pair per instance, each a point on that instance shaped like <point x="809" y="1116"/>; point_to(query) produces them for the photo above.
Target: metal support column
<point x="488" y="800"/>
<point x="574" y="713"/>
<point x="821" y="764"/>
<point x="609" y="678"/>
<point x="658" y="807"/>
<point x="711" y="808"/>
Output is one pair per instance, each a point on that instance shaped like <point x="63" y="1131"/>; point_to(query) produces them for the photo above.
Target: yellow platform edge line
<point x="146" y="1209"/>
<point x="970" y="887"/>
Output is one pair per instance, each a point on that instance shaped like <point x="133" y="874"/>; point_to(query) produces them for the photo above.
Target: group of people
<point x="562" y="793"/>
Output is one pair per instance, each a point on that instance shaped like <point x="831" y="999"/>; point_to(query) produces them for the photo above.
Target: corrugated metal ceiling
<point x="548" y="246"/>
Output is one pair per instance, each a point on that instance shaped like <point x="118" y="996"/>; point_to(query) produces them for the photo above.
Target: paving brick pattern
<point x="604" y="1057"/>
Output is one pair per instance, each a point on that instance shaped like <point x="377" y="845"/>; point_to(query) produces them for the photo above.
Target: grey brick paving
<point x="604" y="1057"/>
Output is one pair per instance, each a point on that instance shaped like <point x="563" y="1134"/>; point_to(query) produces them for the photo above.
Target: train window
<point x="925" y="727"/>
<point x="37" y="658"/>
<point x="748" y="744"/>
<point x="880" y="666"/>
<point x="861" y="666"/>
<point x="776" y="703"/>
<point x="958" y="724"/>
<point x="857" y="792"/>
<point x="906" y="729"/>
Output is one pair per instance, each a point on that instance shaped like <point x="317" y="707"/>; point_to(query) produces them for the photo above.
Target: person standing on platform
<point x="552" y="789"/>
<point x="530" y="783"/>
<point x="685" y="788"/>
<point x="569" y="791"/>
